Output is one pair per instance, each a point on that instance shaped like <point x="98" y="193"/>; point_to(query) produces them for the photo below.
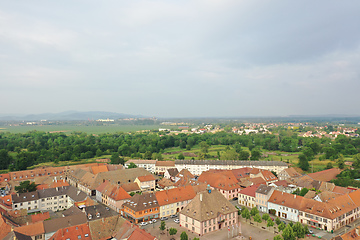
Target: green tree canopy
<point x="254" y="211"/>
<point x="288" y="233"/>
<point x="26" y="186"/>
<point x="184" y="236"/>
<point x="172" y="231"/>
<point x="132" y="165"/>
<point x="245" y="213"/>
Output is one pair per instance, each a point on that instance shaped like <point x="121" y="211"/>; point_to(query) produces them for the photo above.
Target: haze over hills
<point x="68" y="115"/>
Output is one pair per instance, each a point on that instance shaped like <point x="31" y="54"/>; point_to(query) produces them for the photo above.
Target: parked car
<point x="177" y="220"/>
<point x="153" y="221"/>
<point x="173" y="216"/>
<point x="311" y="231"/>
<point x="163" y="218"/>
<point x="143" y="224"/>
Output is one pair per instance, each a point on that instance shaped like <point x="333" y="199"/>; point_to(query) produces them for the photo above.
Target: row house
<point x="196" y="167"/>
<point x="224" y="181"/>
<point x="53" y="199"/>
<point x="148" y="165"/>
<point x="288" y="173"/>
<point x="285" y="205"/>
<point x="111" y="195"/>
<point x="141" y="208"/>
<point x="247" y="196"/>
<point x="262" y="195"/>
<point x="171" y="174"/>
<point x="209" y="211"/>
<point x="174" y="200"/>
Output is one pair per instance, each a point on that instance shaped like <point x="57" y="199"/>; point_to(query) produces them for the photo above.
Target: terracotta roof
<point x="73" y="232"/>
<point x="353" y="234"/>
<point x="141" y="202"/>
<point x="185" y="173"/>
<point x="31" y="229"/>
<point x="310" y="194"/>
<point x="40" y="217"/>
<point x="97" y="169"/>
<point x="175" y="195"/>
<point x="341" y="190"/>
<point x="224" y="180"/>
<point x="207" y="206"/>
<point x="164" y="182"/>
<point x="257" y="180"/>
<point x="118" y="193"/>
<point x="241" y="172"/>
<point x="130" y="187"/>
<point x="146" y="178"/>
<point x="5" y="228"/>
<point x="325" y="175"/>
<point x="73" y="210"/>
<point x="283" y="183"/>
<point x="268" y="176"/>
<point x="105" y="228"/>
<point x="165" y="163"/>
<point x="250" y="191"/>
<point x="141" y="234"/>
<point x="292" y="172"/>
<point x="327" y="196"/>
<point x="55" y="224"/>
<point x="172" y="172"/>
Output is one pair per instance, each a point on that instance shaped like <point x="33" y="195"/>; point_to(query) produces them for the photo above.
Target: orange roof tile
<point x="141" y="234"/>
<point x="220" y="179"/>
<point x="175" y="195"/>
<point x="146" y="178"/>
<point x="98" y="169"/>
<point x="326" y="175"/>
<point x="5" y="228"/>
<point x="72" y="233"/>
<point x="250" y="191"/>
<point x="31" y="229"/>
<point x="40" y="217"/>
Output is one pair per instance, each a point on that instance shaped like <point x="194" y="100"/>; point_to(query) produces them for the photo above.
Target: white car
<point x="143" y="224"/>
<point x="177" y="220"/>
<point x="153" y="221"/>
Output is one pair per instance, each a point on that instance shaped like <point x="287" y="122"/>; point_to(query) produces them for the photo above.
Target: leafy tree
<point x="329" y="165"/>
<point x="303" y="162"/>
<point x="257" y="218"/>
<point x="282" y="226"/>
<point x="162" y="226"/>
<point x="148" y="155"/>
<point x="255" y="154"/>
<point x="269" y="223"/>
<point x="254" y="211"/>
<point x="341" y="161"/>
<point x="288" y="233"/>
<point x="308" y="152"/>
<point x="181" y="156"/>
<point x="184" y="236"/>
<point x="132" y="193"/>
<point x="245" y="213"/>
<point x="172" y="231"/>
<point x="230" y="154"/>
<point x="5" y="159"/>
<point x="278" y="237"/>
<point x="244" y="155"/>
<point x="277" y="221"/>
<point x="303" y="192"/>
<point x="195" y="238"/>
<point x="116" y="159"/>
<point x="298" y="230"/>
<point x="306" y="229"/>
<point x="265" y="216"/>
<point x="26" y="186"/>
<point x="132" y="165"/>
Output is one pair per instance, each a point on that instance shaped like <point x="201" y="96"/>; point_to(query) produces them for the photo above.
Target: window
<point x="79" y="236"/>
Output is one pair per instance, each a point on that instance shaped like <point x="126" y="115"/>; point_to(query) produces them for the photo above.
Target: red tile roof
<point x="31" y="229"/>
<point x="99" y="169"/>
<point x="141" y="234"/>
<point x="250" y="191"/>
<point x="175" y="195"/>
<point x="146" y="178"/>
<point x="219" y="179"/>
<point x="40" y="217"/>
<point x="73" y="232"/>
<point x="5" y="228"/>
<point x="326" y="175"/>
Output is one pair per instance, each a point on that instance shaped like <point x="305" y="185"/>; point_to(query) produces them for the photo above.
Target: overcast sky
<point x="196" y="58"/>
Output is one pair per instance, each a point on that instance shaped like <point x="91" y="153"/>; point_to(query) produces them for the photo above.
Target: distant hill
<point x="69" y="115"/>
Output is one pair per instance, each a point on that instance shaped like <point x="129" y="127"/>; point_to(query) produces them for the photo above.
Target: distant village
<point x="199" y="197"/>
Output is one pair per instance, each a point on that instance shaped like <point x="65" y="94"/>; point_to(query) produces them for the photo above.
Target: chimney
<point x="200" y="197"/>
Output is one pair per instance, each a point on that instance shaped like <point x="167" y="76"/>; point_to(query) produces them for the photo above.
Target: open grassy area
<point x="80" y="128"/>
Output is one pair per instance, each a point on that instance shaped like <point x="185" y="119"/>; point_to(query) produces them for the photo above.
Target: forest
<point x="20" y="151"/>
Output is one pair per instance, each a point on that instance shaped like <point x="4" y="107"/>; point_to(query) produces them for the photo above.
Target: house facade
<point x="141" y="208"/>
<point x="262" y="195"/>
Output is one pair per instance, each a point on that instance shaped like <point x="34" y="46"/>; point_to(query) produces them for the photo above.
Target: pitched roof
<point x="25" y="197"/>
<point x="175" y="195"/>
<point x="40" y="217"/>
<point x="72" y="232"/>
<point x="263" y="189"/>
<point x="185" y="173"/>
<point x="292" y="172"/>
<point x="172" y="172"/>
<point x="146" y="178"/>
<point x="325" y="175"/>
<point x="130" y="187"/>
<point x="141" y="202"/>
<point x="231" y="162"/>
<point x="250" y="191"/>
<point x="106" y="227"/>
<point x="207" y="206"/>
<point x="241" y="172"/>
<point x="73" y="210"/>
<point x="97" y="169"/>
<point x="55" y="224"/>
<point x="5" y="228"/>
<point x="76" y="194"/>
<point x="353" y="234"/>
<point x="165" y="163"/>
<point x="164" y="182"/>
<point x="141" y="234"/>
<point x="98" y="212"/>
<point x="220" y="179"/>
<point x="283" y="183"/>
<point x="31" y="229"/>
<point x="257" y="180"/>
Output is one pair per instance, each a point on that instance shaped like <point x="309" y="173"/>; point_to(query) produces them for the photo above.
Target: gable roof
<point x="220" y="179"/>
<point x="325" y="175"/>
<point x="40" y="217"/>
<point x="31" y="229"/>
<point x="105" y="228"/>
<point x="130" y="187"/>
<point x="141" y="202"/>
<point x="97" y="169"/>
<point x="249" y="191"/>
<point x="55" y="224"/>
<point x="263" y="189"/>
<point x="175" y="195"/>
<point x="292" y="172"/>
<point x="146" y="178"/>
<point x="141" y="234"/>
<point x="165" y="163"/>
<point x="5" y="228"/>
<point x="206" y="206"/>
<point x="72" y="232"/>
<point x="185" y="173"/>
<point x="172" y="172"/>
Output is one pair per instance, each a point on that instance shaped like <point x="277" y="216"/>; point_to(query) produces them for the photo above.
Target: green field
<point x="80" y="128"/>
